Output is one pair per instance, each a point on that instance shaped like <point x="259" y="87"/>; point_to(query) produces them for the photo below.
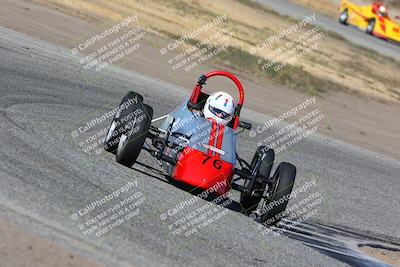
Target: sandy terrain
<point x="388" y="256"/>
<point x="337" y="69"/>
<point x="36" y="251"/>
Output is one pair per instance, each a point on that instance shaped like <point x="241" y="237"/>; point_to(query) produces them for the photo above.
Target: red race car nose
<point x="202" y="171"/>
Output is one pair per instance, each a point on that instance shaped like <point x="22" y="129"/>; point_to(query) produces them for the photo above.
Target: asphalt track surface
<point x="350" y="33"/>
<point x="45" y="176"/>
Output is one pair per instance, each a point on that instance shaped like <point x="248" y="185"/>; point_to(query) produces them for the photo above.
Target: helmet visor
<point x="219" y="113"/>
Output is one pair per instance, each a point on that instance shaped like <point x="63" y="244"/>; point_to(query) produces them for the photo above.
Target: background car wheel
<point x="249" y="202"/>
<point x="371" y="26"/>
<point x="131" y="142"/>
<point x="343" y="17"/>
<point x="111" y="140"/>
<point x="283" y="181"/>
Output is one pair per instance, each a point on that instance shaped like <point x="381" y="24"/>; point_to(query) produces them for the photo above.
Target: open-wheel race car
<point x="373" y="19"/>
<point x="200" y="152"/>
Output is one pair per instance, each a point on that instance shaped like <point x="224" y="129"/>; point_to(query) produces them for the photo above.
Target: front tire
<point x="110" y="143"/>
<point x="250" y="202"/>
<point x="371" y="26"/>
<point x="283" y="181"/>
<point x="131" y="142"/>
<point x="344" y="17"/>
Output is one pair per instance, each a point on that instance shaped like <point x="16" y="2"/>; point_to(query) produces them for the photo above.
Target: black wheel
<point x="118" y="123"/>
<point x="371" y="26"/>
<point x="282" y="185"/>
<point x="131" y="142"/>
<point x="344" y="17"/>
<point x="266" y="158"/>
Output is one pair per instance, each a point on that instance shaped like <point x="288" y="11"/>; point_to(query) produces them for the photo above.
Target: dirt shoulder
<point x="314" y="62"/>
<point x="20" y="248"/>
<point x="388" y="256"/>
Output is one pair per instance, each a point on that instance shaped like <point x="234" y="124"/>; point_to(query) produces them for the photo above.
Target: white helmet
<point x="220" y="106"/>
<point x="382" y="10"/>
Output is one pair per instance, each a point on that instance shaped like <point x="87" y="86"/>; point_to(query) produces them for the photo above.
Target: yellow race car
<point x="373" y="19"/>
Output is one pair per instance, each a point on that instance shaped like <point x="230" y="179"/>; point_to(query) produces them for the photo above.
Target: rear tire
<point x="131" y="142"/>
<point x="344" y="17"/>
<point x="111" y="140"/>
<point x="283" y="181"/>
<point x="249" y="202"/>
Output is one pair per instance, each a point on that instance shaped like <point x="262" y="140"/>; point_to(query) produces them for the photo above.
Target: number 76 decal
<point x="217" y="163"/>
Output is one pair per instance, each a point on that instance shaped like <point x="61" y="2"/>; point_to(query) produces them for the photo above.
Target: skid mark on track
<point x="339" y="244"/>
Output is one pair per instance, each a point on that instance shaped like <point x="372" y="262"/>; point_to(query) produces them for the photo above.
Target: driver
<point x="383" y="11"/>
<point x="220" y="107"/>
<point x="379" y="8"/>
